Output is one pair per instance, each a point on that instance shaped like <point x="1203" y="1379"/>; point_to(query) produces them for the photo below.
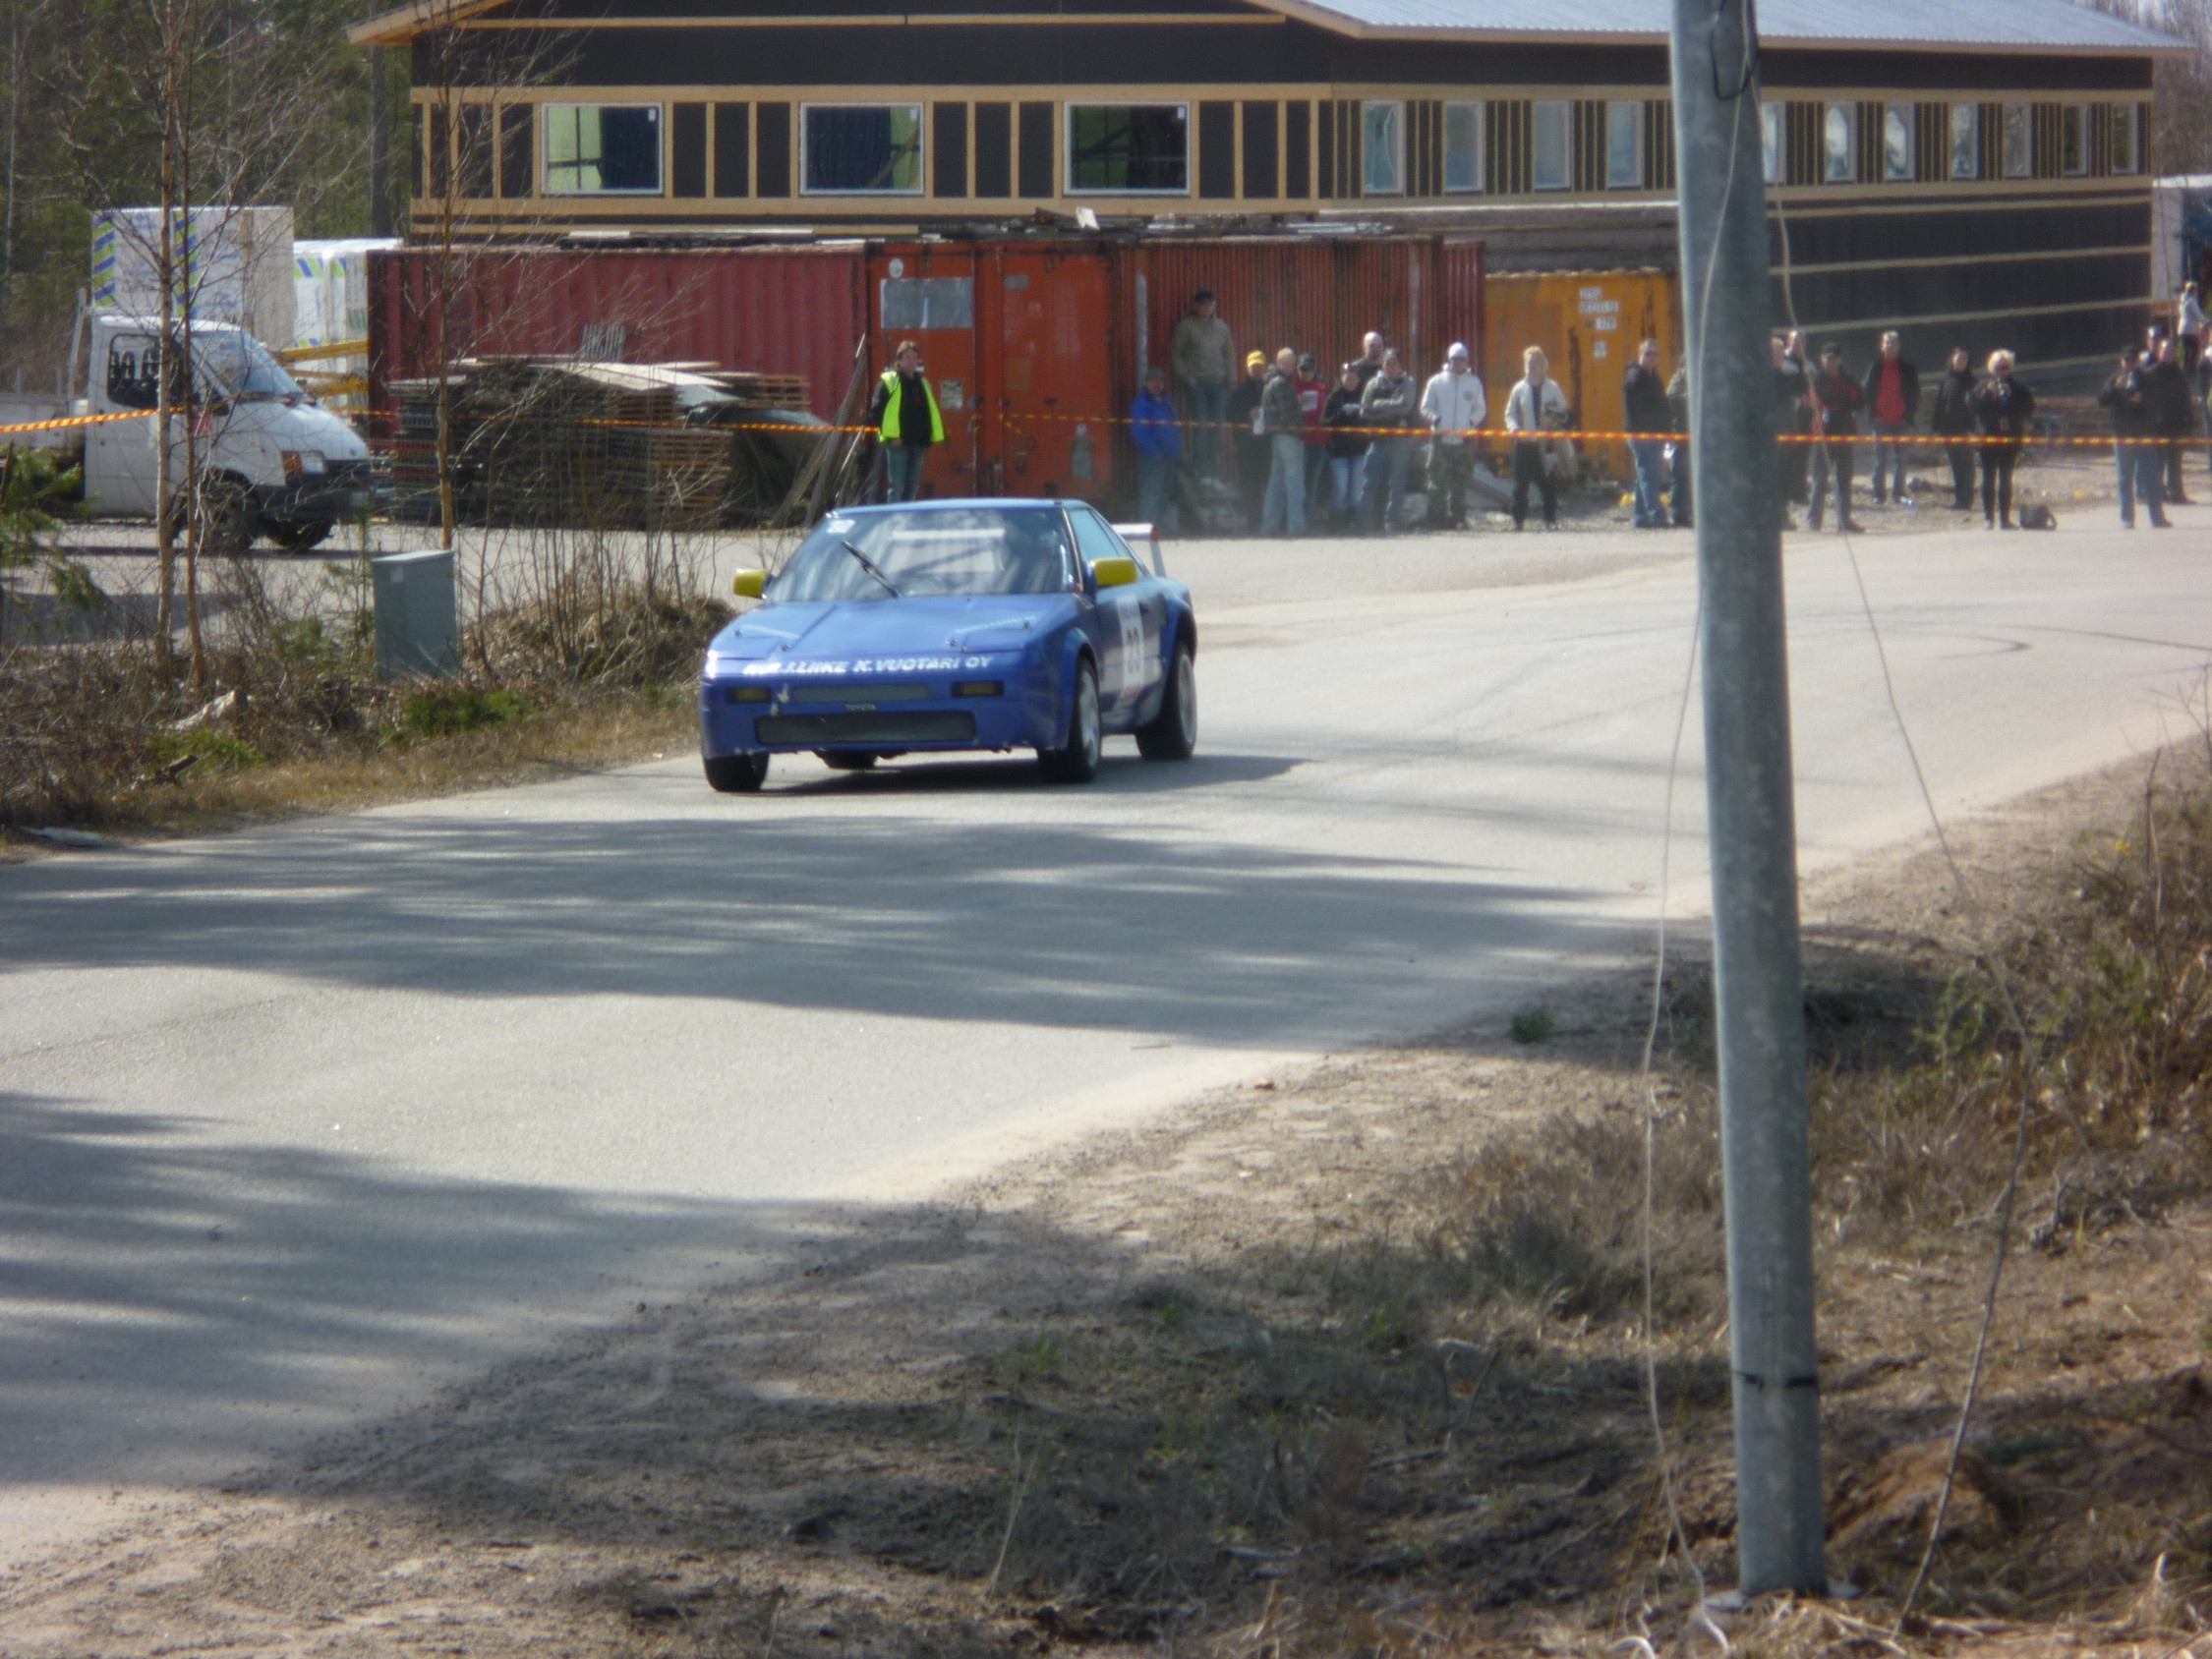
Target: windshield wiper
<point x="869" y="565"/>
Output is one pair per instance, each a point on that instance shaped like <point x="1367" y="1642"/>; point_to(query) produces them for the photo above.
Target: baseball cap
<point x="1256" y="360"/>
<point x="1459" y="349"/>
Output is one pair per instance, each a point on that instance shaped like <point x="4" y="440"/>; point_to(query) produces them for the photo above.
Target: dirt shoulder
<point x="1244" y="1379"/>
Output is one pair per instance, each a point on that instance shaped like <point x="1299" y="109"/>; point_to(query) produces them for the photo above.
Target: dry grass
<point x="291" y="718"/>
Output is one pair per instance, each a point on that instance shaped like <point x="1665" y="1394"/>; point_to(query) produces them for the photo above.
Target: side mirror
<point x="750" y="584"/>
<point x="1113" y="573"/>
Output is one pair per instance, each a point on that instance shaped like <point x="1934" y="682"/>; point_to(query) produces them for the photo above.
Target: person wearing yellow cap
<point x="1256" y="457"/>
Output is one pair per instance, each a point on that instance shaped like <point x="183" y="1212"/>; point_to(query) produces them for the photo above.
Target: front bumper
<point x="898" y="711"/>
<point x="343" y="489"/>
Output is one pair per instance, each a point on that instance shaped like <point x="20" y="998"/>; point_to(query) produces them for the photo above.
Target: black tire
<point x="836" y="762"/>
<point x="1076" y="761"/>
<point x="1173" y="733"/>
<point x="228" y="523"/>
<point x="300" y="537"/>
<point x="736" y="774"/>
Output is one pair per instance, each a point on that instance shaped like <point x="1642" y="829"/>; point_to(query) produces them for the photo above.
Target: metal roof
<point x="1979" y="24"/>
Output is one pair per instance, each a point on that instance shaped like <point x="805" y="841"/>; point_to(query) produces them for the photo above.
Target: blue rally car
<point x="947" y="625"/>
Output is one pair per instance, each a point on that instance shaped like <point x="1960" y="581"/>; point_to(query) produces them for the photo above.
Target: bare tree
<point x="229" y="107"/>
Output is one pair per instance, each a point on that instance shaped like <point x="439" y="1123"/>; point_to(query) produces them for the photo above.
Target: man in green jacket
<point x="907" y="420"/>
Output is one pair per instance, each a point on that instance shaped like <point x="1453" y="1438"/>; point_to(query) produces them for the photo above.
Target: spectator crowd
<point x="1276" y="450"/>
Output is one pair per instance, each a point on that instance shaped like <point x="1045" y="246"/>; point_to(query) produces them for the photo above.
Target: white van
<point x="274" y="461"/>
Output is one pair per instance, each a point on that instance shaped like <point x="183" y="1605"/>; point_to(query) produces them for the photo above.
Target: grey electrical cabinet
<point x="418" y="630"/>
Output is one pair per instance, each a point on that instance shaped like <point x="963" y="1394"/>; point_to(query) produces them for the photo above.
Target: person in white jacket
<point x="1453" y="405"/>
<point x="1537" y="407"/>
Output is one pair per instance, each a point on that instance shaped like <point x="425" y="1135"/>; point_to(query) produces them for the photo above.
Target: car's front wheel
<point x="736" y="774"/>
<point x="1173" y="733"/>
<point x="1077" y="761"/>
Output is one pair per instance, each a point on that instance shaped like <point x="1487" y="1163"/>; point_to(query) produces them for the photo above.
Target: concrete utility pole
<point x="1759" y="989"/>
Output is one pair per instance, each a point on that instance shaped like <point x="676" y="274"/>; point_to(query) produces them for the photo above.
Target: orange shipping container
<point x="1590" y="324"/>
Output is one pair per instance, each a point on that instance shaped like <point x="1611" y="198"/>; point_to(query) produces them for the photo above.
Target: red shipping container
<point x="1036" y="348"/>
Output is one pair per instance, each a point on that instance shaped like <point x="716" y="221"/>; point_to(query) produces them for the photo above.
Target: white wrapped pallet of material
<point x="235" y="263"/>
<point x="311" y="283"/>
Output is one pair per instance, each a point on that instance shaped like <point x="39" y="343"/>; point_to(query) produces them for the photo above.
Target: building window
<point x="1463" y="148"/>
<point x="2019" y="141"/>
<point x="1382" y="148"/>
<point x="1965" y="140"/>
<point x="2073" y="139"/>
<point x="1624" y="144"/>
<point x="861" y="150"/>
<point x="1897" y="142"/>
<point x="602" y="149"/>
<point x="1554" y="153"/>
<point x="2127" y="139"/>
<point x="1129" y="149"/>
<point x="1841" y="139"/>
<point x="1773" y="151"/>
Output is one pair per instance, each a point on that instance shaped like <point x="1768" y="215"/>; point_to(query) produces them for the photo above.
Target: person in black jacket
<point x="1893" y="402"/>
<point x="1255" y="456"/>
<point x="1644" y="397"/>
<point x="2135" y="455"/>
<point x="1836" y="403"/>
<point x="1792" y="391"/>
<point x="2003" y="408"/>
<point x="2172" y="410"/>
<point x="1954" y="420"/>
<point x="1348" y="442"/>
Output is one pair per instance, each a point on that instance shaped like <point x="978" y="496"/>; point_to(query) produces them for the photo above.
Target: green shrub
<point x="219" y="751"/>
<point x="1535" y="1026"/>
<point x="440" y="714"/>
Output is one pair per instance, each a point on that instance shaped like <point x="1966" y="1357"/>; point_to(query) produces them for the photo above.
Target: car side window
<point x="1095" y="537"/>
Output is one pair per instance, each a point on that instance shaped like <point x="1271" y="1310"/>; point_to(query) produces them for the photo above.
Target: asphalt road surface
<point x="296" y="1124"/>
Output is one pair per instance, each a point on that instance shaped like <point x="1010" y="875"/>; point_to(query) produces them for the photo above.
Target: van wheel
<point x="735" y="774"/>
<point x="300" y="537"/>
<point x="228" y="523"/>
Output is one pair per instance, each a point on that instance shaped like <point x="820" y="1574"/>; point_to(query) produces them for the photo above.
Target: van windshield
<point x="240" y="369"/>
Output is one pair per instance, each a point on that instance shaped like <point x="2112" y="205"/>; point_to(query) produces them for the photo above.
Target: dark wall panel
<point x="1032" y="55"/>
<point x="1038" y="177"/>
<point x="948" y="143"/>
<point x="1217" y="150"/>
<point x="688" y="150"/>
<point x="1259" y="152"/>
<point x="733" y="149"/>
<point x="518" y="150"/>
<point x="772" y="150"/>
<point x="994" y="149"/>
<point x="1298" y="178"/>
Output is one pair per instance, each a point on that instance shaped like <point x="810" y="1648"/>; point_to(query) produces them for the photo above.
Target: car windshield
<point x="933" y="552"/>
<point x="240" y="369"/>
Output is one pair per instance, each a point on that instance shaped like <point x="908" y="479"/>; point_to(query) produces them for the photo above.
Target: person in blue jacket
<point x="1158" y="436"/>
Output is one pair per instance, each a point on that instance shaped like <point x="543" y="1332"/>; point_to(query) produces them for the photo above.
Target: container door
<point x="1054" y="389"/>
<point x="928" y="296"/>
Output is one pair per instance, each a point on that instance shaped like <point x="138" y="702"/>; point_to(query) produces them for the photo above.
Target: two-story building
<point x="1968" y="170"/>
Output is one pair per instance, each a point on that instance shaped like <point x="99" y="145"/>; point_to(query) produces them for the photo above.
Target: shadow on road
<point x="163" y="1290"/>
<point x="1052" y="924"/>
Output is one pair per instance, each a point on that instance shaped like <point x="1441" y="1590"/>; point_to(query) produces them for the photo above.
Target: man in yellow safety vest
<point x="905" y="415"/>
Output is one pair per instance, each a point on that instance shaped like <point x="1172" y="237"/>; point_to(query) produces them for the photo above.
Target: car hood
<point x="871" y="628"/>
